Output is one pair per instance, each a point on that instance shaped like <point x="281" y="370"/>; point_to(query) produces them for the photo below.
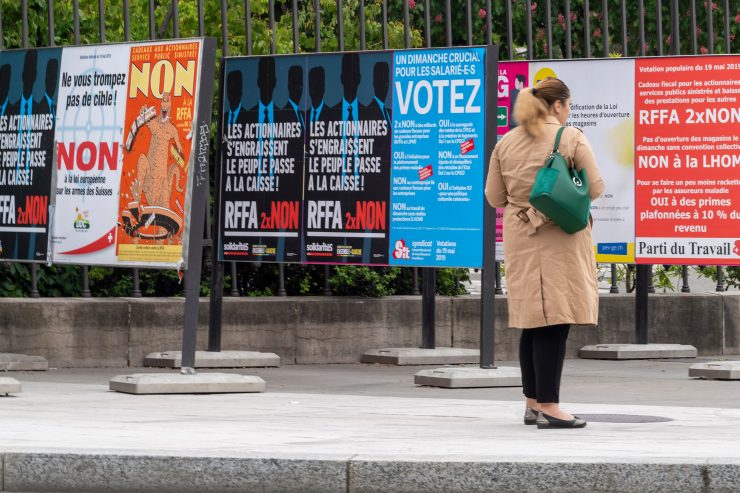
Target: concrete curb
<point x="62" y="472"/>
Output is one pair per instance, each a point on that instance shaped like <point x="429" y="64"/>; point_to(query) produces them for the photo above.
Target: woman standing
<point x="551" y="275"/>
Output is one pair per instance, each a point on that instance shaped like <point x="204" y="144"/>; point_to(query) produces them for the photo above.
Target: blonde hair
<point x="533" y="104"/>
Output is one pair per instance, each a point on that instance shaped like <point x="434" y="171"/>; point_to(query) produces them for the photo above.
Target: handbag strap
<point x="557" y="139"/>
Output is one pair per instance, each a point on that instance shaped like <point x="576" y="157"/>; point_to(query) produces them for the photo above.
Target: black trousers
<point x="541" y="355"/>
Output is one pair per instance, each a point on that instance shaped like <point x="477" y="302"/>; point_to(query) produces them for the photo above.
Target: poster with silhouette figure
<point x="348" y="148"/>
<point x="264" y="128"/>
<point x="158" y="145"/>
<point x="28" y="100"/>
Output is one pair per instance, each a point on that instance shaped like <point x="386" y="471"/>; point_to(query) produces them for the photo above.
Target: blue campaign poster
<point x="438" y="158"/>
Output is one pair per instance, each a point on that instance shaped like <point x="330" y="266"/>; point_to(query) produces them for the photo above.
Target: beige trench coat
<point x="550" y="274"/>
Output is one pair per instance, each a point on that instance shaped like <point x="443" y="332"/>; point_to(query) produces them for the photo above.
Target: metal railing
<point x="525" y="30"/>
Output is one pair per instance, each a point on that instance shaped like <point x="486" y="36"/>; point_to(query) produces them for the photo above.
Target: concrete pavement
<point x="367" y="428"/>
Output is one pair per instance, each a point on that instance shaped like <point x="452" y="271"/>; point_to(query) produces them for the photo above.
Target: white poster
<point x="602" y="105"/>
<point x="89" y="147"/>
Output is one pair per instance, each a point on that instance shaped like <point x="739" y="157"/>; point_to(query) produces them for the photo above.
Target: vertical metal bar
<point x="568" y="32"/>
<point x="548" y="27"/>
<point x="35" y="281"/>
<point x="605" y="26"/>
<point x="271" y="4"/>
<point x="510" y="29"/>
<point x="24" y="23"/>
<point x="675" y="29"/>
<point x="651" y="287"/>
<point x="85" y="282"/>
<point x="136" y="290"/>
<point x="469" y="16"/>
<point x="152" y="26"/>
<point x="406" y="27"/>
<point x="530" y="48"/>
<point x="234" y="280"/>
<point x="327" y="287"/>
<point x="710" y="28"/>
<point x="615" y="287"/>
<point x="52" y="42"/>
<point x="281" y="280"/>
<point x="76" y="21"/>
<point x="317" y="23"/>
<point x="248" y="24"/>
<point x="694" y="47"/>
<point x="641" y="303"/>
<point x="586" y="29"/>
<point x="429" y="288"/>
<point x="385" y="25"/>
<point x="127" y="20"/>
<point x="489" y="23"/>
<point x="427" y="24"/>
<point x="101" y="20"/>
<point x="296" y="48"/>
<point x="727" y="26"/>
<point x="363" y="43"/>
<point x="720" y="279"/>
<point x="415" y="284"/>
<point x="685" y="279"/>
<point x="340" y="24"/>
<point x="624" y="28"/>
<point x="448" y="23"/>
<point x="490" y="266"/>
<point x="659" y="25"/>
<point x="216" y="298"/>
<point x="201" y="19"/>
<point x="2" y="45"/>
<point x="641" y="23"/>
<point x="499" y="289"/>
<point x="175" y="18"/>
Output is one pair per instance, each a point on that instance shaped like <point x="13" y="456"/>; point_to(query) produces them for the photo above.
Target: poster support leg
<point x="429" y="288"/>
<point x="641" y="304"/>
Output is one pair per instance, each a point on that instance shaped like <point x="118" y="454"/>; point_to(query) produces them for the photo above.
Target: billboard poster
<point x="438" y="157"/>
<point x="687" y="181"/>
<point x="346" y="192"/>
<point x="264" y="128"/>
<point x="89" y="144"/>
<point x="28" y="101"/>
<point x="158" y="147"/>
<point x="604" y="111"/>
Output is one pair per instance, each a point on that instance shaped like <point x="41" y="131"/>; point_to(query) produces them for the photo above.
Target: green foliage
<point x="730" y="275"/>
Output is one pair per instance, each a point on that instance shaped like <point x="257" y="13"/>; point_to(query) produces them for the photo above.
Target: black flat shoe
<point x="530" y="416"/>
<point x="547" y="421"/>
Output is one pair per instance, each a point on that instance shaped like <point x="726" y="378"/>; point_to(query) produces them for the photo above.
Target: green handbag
<point x="561" y="192"/>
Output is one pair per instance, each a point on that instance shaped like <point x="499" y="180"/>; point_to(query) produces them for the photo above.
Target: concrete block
<point x="9" y="386"/>
<point x="22" y="362"/>
<point x="720" y="370"/>
<point x="222" y="359"/>
<point x="418" y="356"/>
<point x="457" y="378"/>
<point x="176" y="383"/>
<point x="109" y="473"/>
<point x="637" y="351"/>
<point x="68" y="332"/>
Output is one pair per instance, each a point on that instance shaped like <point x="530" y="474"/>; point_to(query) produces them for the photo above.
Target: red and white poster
<point x="687" y="160"/>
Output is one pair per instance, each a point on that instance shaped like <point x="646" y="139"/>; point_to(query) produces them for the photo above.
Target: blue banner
<point x="438" y="153"/>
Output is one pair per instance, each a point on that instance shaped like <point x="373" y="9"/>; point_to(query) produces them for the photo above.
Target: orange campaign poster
<point x="157" y="141"/>
<point x="687" y="160"/>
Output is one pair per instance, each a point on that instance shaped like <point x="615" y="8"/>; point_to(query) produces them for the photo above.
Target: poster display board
<point x="373" y="158"/>
<point x="28" y="97"/>
<point x="125" y="121"/>
<point x="687" y="178"/>
<point x="602" y="106"/>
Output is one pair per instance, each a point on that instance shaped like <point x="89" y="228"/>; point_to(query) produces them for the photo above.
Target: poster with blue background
<point x="438" y="159"/>
<point x="28" y="100"/>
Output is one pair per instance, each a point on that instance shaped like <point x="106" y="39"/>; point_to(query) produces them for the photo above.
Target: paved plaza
<point x="364" y="428"/>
